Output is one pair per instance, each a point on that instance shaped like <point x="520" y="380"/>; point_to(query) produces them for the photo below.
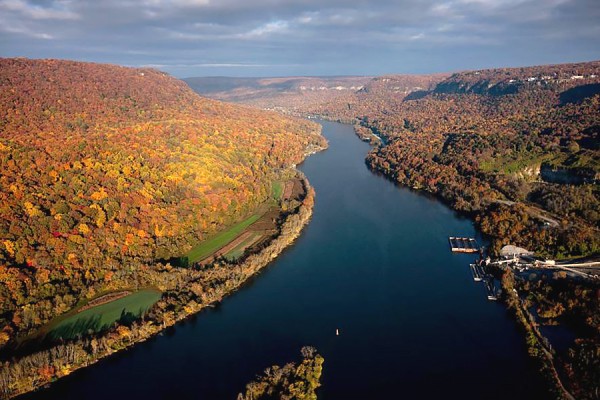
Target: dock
<point x="480" y="274"/>
<point x="463" y="244"/>
<point x="490" y="289"/>
<point x="479" y="269"/>
<point x="477" y="272"/>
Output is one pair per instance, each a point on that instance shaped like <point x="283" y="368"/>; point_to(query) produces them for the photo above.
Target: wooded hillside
<point x="517" y="147"/>
<point x="105" y="171"/>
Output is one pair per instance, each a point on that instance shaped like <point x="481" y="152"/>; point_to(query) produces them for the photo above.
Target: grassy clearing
<point x="513" y="163"/>
<point x="209" y="246"/>
<point x="277" y="190"/>
<point x="98" y="318"/>
<point x="238" y="250"/>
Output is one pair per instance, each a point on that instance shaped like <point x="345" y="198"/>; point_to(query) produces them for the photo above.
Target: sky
<point x="303" y="37"/>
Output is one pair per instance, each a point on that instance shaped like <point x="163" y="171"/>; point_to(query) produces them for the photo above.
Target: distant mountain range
<point x="258" y="91"/>
<point x="344" y="97"/>
<point x="312" y="95"/>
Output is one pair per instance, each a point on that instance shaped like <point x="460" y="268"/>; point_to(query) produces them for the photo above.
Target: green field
<point x="238" y="251"/>
<point x="513" y="163"/>
<point x="277" y="190"/>
<point x="516" y="162"/>
<point x="209" y="246"/>
<point x="103" y="316"/>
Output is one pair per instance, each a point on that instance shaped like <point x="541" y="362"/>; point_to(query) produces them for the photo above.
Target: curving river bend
<point x="374" y="263"/>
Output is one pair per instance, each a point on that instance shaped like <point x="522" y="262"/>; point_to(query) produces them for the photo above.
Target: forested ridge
<point x="107" y="172"/>
<point x="340" y="98"/>
<point x="512" y="156"/>
<point x="294" y="92"/>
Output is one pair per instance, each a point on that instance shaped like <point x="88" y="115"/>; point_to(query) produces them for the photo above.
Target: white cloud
<point x="267" y="29"/>
<point x="445" y="28"/>
<point x="332" y="34"/>
<point x="175" y="3"/>
<point x="305" y="19"/>
<point x="59" y="12"/>
<point x="44" y="36"/>
<point x="443" y="10"/>
<point x="20" y="29"/>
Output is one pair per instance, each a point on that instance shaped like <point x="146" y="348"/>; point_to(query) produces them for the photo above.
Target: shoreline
<point x="545" y="360"/>
<point x="122" y="337"/>
<point x="543" y="356"/>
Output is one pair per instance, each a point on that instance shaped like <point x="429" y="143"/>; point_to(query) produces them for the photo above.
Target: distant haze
<point x="303" y="37"/>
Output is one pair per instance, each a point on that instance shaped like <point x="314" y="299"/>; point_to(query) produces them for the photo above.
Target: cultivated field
<point x="249" y="241"/>
<point x="100" y="317"/>
<point x="209" y="247"/>
<point x="233" y="242"/>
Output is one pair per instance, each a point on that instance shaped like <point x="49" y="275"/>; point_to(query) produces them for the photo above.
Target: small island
<point x="293" y="381"/>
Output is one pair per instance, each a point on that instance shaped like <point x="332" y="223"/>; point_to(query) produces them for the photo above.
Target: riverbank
<point x="507" y="222"/>
<point x="193" y="291"/>
<point x="537" y="345"/>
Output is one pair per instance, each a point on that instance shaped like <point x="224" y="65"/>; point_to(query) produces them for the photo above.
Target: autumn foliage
<point x="105" y="171"/>
<point x="485" y="140"/>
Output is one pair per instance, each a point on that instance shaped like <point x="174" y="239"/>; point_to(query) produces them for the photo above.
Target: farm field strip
<point x="277" y="190"/>
<point x="239" y="249"/>
<point x="107" y="298"/>
<point x="101" y="316"/>
<point x="227" y="247"/>
<point x="209" y="247"/>
<point x="262" y="223"/>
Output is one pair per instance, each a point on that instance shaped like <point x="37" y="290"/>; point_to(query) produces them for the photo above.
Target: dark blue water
<point x="374" y="262"/>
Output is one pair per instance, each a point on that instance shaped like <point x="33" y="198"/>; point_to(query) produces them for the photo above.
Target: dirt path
<point x="107" y="298"/>
<point x="230" y="246"/>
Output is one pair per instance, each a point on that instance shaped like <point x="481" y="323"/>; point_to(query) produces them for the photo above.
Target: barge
<point x="463" y="244"/>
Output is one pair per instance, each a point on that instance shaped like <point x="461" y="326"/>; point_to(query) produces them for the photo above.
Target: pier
<point x="477" y="272"/>
<point x="480" y="274"/>
<point x="490" y="288"/>
<point x="519" y="260"/>
<point x="478" y="269"/>
<point x="463" y="244"/>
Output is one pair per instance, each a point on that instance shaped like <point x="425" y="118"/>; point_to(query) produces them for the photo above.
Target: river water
<point x="374" y="263"/>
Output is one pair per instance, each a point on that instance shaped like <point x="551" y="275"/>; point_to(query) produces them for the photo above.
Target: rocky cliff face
<point x="504" y="81"/>
<point x="484" y="87"/>
<point x="529" y="173"/>
<point x="571" y="176"/>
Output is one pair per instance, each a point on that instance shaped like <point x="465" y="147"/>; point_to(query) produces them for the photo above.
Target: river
<point x="374" y="263"/>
